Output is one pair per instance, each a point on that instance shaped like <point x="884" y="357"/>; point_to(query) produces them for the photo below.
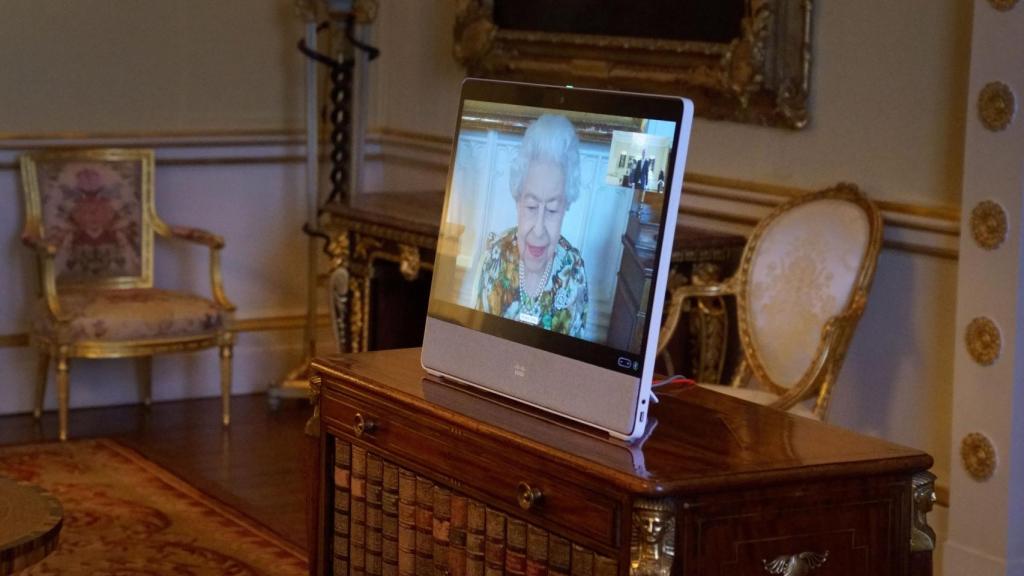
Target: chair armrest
<point x="37" y="243"/>
<point x="195" y="235"/>
<point x="214" y="242"/>
<point x="679" y="293"/>
<point x="46" y="252"/>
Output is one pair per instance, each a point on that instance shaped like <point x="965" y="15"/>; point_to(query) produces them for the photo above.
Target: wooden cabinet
<point x="425" y="478"/>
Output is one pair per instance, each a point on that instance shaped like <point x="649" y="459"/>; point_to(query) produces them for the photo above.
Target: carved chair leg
<point x="225" y="380"/>
<point x="63" y="378"/>
<point x="144" y="367"/>
<point x="43" y="372"/>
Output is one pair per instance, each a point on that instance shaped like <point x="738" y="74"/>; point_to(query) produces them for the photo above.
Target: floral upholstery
<point x="131" y="315"/>
<point x="93" y="211"/>
<point x="803" y="273"/>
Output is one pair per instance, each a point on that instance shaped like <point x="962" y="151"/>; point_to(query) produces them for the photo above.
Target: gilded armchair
<point x="800" y="290"/>
<point x="90" y="218"/>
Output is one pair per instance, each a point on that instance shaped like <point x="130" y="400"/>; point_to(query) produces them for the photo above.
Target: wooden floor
<point x="255" y="466"/>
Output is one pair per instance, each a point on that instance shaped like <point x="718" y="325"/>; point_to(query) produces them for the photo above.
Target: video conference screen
<point x="551" y="228"/>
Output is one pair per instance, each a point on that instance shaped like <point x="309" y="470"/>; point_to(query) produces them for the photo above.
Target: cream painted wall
<point x="128" y="66"/>
<point x="213" y="87"/>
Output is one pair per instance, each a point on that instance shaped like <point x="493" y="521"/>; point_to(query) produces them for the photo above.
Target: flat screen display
<point x="552" y="223"/>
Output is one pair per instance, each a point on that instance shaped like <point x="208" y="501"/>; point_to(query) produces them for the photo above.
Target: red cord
<point x="687" y="382"/>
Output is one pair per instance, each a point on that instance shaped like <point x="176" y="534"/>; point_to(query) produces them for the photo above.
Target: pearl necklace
<point x="523" y="294"/>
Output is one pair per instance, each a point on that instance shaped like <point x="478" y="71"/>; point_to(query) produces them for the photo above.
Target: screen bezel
<point x="620" y="104"/>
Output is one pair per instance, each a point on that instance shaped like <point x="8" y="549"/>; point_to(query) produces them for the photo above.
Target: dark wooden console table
<point x="387" y="241"/>
<point x="423" y="478"/>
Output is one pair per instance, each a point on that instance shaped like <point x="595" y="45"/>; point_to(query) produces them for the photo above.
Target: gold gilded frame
<point x="820" y="375"/>
<point x="761" y="77"/>
<point x="59" y="344"/>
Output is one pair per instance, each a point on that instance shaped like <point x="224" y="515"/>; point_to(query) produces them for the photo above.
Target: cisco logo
<point x="519" y="370"/>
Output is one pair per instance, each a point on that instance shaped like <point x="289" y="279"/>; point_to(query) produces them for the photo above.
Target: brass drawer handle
<point x="795" y="565"/>
<point x="528" y="496"/>
<point x="362" y="425"/>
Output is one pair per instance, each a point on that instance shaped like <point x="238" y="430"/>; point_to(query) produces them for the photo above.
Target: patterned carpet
<point x="124" y="515"/>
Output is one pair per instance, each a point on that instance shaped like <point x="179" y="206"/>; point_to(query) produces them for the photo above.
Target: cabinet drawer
<point x="478" y="464"/>
<point x="834" y="534"/>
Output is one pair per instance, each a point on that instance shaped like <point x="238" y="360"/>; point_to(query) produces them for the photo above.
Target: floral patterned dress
<point x="560" y="307"/>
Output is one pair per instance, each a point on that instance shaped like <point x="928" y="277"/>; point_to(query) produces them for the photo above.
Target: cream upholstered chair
<point x="90" y="217"/>
<point x="801" y="287"/>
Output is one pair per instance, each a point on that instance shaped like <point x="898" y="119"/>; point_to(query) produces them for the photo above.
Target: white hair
<point x="551" y="138"/>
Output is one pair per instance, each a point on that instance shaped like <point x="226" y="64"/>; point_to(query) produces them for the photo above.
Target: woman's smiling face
<point x="540" y="211"/>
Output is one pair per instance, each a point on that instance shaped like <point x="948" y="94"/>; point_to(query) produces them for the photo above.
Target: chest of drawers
<point x="424" y="478"/>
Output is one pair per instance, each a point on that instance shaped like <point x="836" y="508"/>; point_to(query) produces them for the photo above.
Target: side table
<point x="30" y="523"/>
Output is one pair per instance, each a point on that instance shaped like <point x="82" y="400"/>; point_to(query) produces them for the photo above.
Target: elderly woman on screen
<point x="530" y="272"/>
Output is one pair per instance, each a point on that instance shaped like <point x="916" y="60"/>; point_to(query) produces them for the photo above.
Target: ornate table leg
<point x="364" y="252"/>
<point x="922" y="536"/>
<point x="345" y="301"/>
<point x="652" y="548"/>
<point x="709" y="326"/>
<point x="314" y="481"/>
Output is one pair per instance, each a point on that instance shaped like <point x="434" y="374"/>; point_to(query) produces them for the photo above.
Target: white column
<point x="986" y="516"/>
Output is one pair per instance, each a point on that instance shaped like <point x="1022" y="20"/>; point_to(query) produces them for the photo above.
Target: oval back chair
<point x="800" y="290"/>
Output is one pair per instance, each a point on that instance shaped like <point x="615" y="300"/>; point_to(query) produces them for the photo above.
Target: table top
<point x="703" y="440"/>
<point x="30" y="524"/>
<point x="420" y="213"/>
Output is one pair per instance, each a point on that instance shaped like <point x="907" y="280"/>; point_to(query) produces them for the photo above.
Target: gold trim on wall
<point x="398" y="160"/>
<point x="978" y="456"/>
<point x="944" y="253"/>
<point x="996" y="106"/>
<point x="984" y="340"/>
<point x="433" y="152"/>
<point x="413" y="136"/>
<point x="950" y="214"/>
<point x="938" y="212"/>
<point x="988" y="224"/>
<point x="180" y="138"/>
<point x="232" y="161"/>
<point x="274" y="323"/>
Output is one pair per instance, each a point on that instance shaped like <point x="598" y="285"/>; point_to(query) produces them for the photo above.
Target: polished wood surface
<point x="701" y="439"/>
<point x="256" y="466"/>
<point x="30" y="523"/>
<point x="744" y="485"/>
<point x="416" y="212"/>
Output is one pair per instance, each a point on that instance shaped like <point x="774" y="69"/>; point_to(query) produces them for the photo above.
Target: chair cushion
<point x="131" y="314"/>
<point x="761" y="397"/>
